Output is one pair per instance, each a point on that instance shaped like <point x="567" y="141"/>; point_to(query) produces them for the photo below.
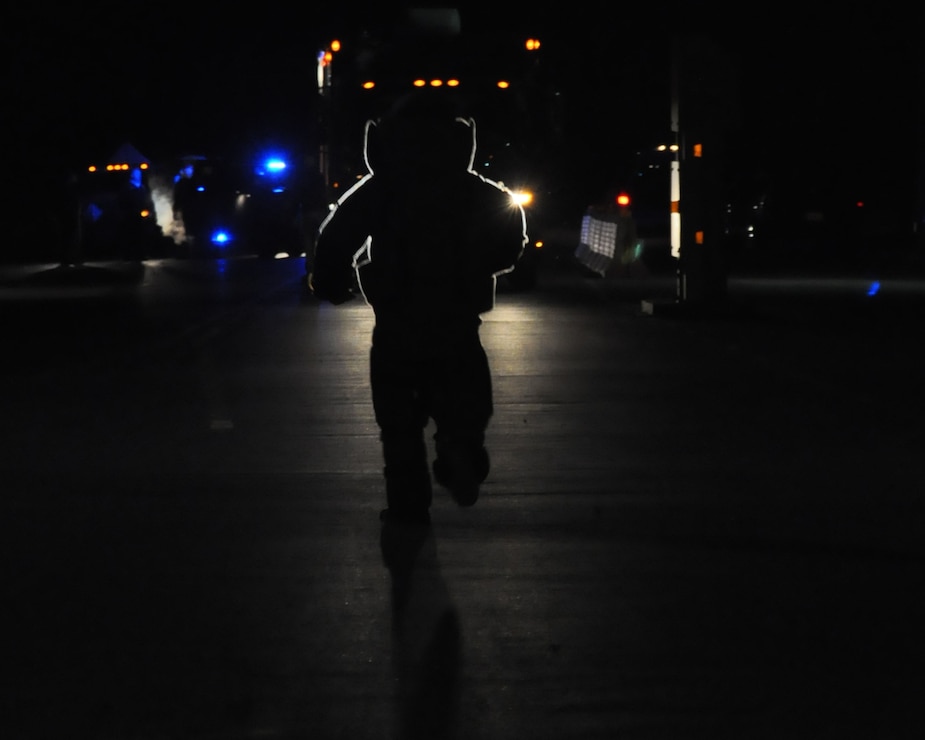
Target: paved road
<point x="697" y="526"/>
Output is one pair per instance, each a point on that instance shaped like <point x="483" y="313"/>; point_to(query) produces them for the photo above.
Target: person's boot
<point x="461" y="469"/>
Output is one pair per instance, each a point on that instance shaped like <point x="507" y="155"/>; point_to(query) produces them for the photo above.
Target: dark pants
<point x="418" y="372"/>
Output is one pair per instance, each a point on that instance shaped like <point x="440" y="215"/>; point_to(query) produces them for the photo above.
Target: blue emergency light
<point x="220" y="238"/>
<point x="272" y="166"/>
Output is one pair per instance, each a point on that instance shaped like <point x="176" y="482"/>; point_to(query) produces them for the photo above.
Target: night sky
<point x="815" y="89"/>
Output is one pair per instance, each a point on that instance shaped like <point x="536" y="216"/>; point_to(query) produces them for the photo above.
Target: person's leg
<point x="461" y="408"/>
<point x="402" y="416"/>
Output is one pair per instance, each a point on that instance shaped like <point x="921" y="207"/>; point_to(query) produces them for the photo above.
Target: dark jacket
<point x="422" y="230"/>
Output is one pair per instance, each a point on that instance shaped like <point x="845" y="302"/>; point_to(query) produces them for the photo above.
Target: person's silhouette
<point x="424" y="238"/>
<point x="186" y="217"/>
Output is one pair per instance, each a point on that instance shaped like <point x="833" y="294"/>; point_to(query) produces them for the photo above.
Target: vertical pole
<point x="919" y="208"/>
<point x="324" y="91"/>
<point x="675" y="195"/>
<point x="702" y="89"/>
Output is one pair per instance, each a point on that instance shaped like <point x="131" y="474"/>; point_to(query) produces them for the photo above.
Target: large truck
<point x="495" y="76"/>
<point x="117" y="216"/>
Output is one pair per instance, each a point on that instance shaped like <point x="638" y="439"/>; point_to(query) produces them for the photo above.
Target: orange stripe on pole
<point x="675" y="206"/>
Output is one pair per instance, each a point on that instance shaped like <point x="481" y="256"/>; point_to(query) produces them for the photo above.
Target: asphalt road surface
<point x="696" y="526"/>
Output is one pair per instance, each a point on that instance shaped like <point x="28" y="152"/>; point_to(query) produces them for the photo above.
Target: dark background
<point x="817" y="92"/>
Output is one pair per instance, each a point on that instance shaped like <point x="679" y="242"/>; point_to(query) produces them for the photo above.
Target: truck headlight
<point x="522" y="198"/>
